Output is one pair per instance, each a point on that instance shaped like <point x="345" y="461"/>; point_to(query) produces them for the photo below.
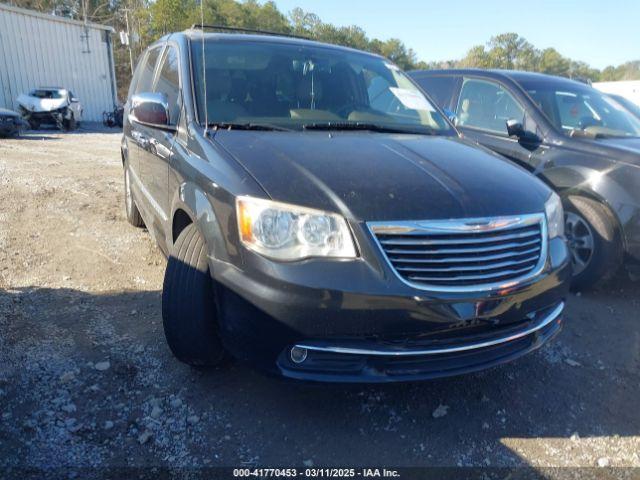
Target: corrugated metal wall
<point x="42" y="50"/>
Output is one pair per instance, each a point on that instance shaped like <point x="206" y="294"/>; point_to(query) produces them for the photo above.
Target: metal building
<point x="45" y="50"/>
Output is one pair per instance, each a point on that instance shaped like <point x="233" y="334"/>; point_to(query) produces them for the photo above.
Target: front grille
<point x="464" y="254"/>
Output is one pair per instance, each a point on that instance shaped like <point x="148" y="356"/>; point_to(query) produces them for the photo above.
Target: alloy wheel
<point x="581" y="241"/>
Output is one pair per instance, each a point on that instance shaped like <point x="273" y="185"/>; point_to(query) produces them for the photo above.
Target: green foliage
<point x="511" y="51"/>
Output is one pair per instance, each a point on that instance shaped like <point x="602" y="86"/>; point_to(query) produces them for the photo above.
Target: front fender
<point x="615" y="187"/>
<point x="198" y="206"/>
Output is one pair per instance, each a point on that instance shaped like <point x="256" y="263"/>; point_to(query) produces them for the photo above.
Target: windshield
<point x="628" y="104"/>
<point x="299" y="86"/>
<point x="582" y="110"/>
<point x="51" y="94"/>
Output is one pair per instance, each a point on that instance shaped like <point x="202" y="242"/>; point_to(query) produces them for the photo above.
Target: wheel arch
<point x="192" y="205"/>
<point x="591" y="184"/>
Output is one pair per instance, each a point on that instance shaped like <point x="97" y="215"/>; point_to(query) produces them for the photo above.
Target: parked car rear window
<point x="575" y="109"/>
<point x="487" y="106"/>
<point x="296" y="85"/>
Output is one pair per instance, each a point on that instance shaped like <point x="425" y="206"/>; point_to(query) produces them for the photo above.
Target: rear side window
<point x="439" y="88"/>
<point x="145" y="80"/>
<point x="487" y="106"/>
<point x="169" y="83"/>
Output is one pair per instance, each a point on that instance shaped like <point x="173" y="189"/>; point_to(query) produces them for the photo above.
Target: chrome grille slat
<point x="470" y="277"/>
<point x="472" y="268"/>
<point x="462" y="241"/>
<point x="463" y="250"/>
<point x="466" y="254"/>
<point x="498" y="256"/>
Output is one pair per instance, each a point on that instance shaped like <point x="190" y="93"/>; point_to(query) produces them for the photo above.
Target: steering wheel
<point x="586" y="122"/>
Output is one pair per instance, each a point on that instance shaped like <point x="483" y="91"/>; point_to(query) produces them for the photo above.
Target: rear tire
<point x="189" y="310"/>
<point x="131" y="209"/>
<point x="594" y="242"/>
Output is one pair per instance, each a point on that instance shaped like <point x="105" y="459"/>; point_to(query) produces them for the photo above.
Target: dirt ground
<point x="86" y="379"/>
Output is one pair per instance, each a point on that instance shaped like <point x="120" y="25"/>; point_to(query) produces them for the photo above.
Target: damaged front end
<point x="59" y="117"/>
<point x="47" y="107"/>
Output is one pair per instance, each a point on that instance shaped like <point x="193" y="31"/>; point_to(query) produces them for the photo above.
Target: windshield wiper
<point x="374" y="127"/>
<point x="248" y="126"/>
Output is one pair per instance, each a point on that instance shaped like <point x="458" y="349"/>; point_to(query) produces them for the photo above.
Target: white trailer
<point x="38" y="50"/>
<point x="629" y="89"/>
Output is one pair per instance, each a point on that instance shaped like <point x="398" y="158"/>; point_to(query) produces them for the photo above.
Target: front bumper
<point x="50" y="117"/>
<point x="360" y="323"/>
<point x="378" y="362"/>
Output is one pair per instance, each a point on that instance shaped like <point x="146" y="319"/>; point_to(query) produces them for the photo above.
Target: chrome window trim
<point x="549" y="318"/>
<point x="464" y="225"/>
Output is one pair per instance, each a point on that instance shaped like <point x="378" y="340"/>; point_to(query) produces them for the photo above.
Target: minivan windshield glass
<point x="583" y="111"/>
<point x="297" y="86"/>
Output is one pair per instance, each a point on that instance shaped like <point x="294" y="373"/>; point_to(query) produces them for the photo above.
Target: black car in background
<point x="577" y="139"/>
<point x="324" y="221"/>
<point x="11" y="123"/>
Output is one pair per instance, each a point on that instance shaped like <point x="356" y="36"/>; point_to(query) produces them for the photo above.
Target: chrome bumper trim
<point x="553" y="315"/>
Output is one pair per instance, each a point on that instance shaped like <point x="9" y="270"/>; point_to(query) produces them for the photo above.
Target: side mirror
<point x="453" y="118"/>
<point x="151" y="109"/>
<point x="515" y="129"/>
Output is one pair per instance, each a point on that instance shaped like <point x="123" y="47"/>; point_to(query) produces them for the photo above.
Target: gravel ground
<point x="86" y="379"/>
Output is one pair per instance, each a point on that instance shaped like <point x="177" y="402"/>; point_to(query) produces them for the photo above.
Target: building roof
<point x="54" y="18"/>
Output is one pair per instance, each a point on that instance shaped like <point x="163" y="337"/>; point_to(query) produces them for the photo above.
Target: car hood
<point x="34" y="104"/>
<point x="377" y="176"/>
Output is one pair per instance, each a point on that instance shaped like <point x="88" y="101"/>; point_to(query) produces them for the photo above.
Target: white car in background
<point x="50" y="105"/>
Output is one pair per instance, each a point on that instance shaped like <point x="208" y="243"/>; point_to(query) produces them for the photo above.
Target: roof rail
<point x="200" y="26"/>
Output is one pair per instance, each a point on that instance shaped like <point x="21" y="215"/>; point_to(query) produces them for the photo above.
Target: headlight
<point x="555" y="216"/>
<point x="288" y="232"/>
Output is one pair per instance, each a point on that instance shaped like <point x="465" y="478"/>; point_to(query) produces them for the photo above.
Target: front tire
<point x="69" y="123"/>
<point x="189" y="310"/>
<point x="594" y="242"/>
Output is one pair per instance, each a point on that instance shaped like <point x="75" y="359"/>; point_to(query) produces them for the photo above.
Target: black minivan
<point x="325" y="221"/>
<point x="578" y="140"/>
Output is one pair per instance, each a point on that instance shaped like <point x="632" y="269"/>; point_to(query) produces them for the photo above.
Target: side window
<point x="573" y="110"/>
<point x="145" y="80"/>
<point x="169" y="83"/>
<point x="439" y="88"/>
<point x="487" y="106"/>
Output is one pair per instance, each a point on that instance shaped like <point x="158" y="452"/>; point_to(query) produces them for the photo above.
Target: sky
<point x="598" y="32"/>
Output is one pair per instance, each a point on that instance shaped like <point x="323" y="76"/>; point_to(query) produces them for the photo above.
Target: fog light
<point x="298" y="355"/>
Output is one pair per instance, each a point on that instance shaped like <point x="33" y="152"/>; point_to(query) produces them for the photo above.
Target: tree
<point x="477" y="57"/>
<point x="171" y="15"/>
<point x="553" y="63"/>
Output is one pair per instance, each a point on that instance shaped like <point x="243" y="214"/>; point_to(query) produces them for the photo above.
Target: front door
<point x="482" y="111"/>
<point x="140" y="135"/>
<point x="157" y="155"/>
